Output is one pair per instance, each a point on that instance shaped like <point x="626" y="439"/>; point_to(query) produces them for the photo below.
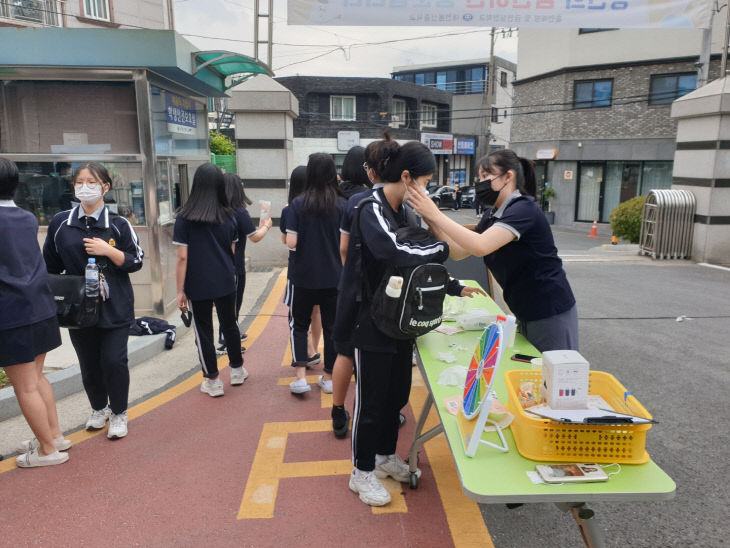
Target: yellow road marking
<point x="254" y="331"/>
<point x="269" y="468"/>
<point x="286" y="360"/>
<point x="463" y="516"/>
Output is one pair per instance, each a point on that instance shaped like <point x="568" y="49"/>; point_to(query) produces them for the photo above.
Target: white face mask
<point x="88" y="194"/>
<point x="408" y="191"/>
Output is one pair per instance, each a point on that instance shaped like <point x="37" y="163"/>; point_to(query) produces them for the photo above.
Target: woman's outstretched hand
<point x="471" y="291"/>
<point x="423" y="205"/>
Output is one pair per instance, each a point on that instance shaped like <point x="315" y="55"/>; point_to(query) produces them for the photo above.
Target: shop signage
<point x="181" y="115"/>
<point x="546" y="153"/>
<point x="347" y="139"/>
<point x="438" y="143"/>
<point x="568" y="175"/>
<point x="505" y="13"/>
<point x="466" y="146"/>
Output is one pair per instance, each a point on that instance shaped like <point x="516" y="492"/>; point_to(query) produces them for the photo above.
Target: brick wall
<point x="373" y="105"/>
<point x="549" y="99"/>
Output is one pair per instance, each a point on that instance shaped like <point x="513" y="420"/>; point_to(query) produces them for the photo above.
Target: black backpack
<point x="419" y="308"/>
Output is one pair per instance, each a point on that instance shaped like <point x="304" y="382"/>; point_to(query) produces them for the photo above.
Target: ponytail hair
<point x="413" y="157"/>
<point x="380" y="154"/>
<point x="524" y="169"/>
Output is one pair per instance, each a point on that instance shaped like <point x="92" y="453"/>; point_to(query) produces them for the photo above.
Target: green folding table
<point x="496" y="477"/>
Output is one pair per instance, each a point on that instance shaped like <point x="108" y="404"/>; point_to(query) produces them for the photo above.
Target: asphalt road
<point x="679" y="370"/>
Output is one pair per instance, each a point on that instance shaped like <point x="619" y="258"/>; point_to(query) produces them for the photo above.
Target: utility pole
<point x="490" y="90"/>
<point x="723" y="64"/>
<point x="269" y="35"/>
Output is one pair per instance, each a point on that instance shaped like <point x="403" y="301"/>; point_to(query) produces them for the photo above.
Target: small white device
<point x="565" y="379"/>
<point x="571" y="473"/>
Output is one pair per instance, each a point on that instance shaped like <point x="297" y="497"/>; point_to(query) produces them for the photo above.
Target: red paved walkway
<point x="179" y="477"/>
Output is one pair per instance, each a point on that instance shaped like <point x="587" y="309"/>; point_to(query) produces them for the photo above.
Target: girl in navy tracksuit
<point x="518" y="248"/>
<point x="297" y="185"/>
<point x="237" y="200"/>
<point x="312" y="227"/>
<point x="205" y="233"/>
<point x="91" y="230"/>
<point x="372" y="169"/>
<point x="382" y="364"/>
<point x="28" y="326"/>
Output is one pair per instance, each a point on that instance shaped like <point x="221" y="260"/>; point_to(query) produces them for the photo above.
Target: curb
<point x="68" y="381"/>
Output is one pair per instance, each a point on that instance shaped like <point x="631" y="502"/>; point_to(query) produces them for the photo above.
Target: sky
<point x="336" y="48"/>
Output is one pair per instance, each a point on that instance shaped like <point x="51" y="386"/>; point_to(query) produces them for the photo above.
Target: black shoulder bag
<point x="74" y="309"/>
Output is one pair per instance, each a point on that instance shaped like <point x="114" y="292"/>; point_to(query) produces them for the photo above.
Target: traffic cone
<point x="614" y="239"/>
<point x="594" y="229"/>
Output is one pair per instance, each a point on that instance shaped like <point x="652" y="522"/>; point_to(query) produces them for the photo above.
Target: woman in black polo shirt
<point x="313" y="229"/>
<point x="237" y="200"/>
<point x="205" y="233"/>
<point x="518" y="248"/>
<point x="297" y="185"/>
<point x="87" y="231"/>
<point x="28" y="326"/>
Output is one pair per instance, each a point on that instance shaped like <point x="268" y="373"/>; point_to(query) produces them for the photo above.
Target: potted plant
<point x="549" y="194"/>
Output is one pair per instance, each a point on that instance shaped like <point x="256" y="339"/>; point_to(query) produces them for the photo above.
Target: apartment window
<point x="503" y="78"/>
<point x="592" y="93"/>
<point x="666" y="88"/>
<point x="495" y="115"/>
<point x="477" y="80"/>
<point x="97" y="9"/>
<point x="399" y="113"/>
<point x="342" y="108"/>
<point x="429" y="116"/>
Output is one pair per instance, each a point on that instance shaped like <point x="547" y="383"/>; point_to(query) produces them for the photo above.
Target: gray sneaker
<point x="212" y="387"/>
<point x="238" y="375"/>
<point x="369" y="488"/>
<point x="395" y="468"/>
<point x="117" y="426"/>
<point x="98" y="418"/>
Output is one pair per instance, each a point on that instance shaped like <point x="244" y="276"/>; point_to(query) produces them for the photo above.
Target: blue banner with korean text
<point x="504" y="13"/>
<point x="181" y="116"/>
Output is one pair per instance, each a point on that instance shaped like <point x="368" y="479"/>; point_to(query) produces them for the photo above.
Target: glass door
<point x="540" y="180"/>
<point x="590" y="192"/>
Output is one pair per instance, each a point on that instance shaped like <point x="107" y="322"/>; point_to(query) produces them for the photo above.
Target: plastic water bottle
<point x="92" y="278"/>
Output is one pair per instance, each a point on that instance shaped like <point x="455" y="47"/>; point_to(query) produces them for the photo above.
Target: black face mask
<point x="485" y="193"/>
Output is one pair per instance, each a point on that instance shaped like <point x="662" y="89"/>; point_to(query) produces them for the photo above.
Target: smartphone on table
<point x="571" y="473"/>
<point x="523" y="358"/>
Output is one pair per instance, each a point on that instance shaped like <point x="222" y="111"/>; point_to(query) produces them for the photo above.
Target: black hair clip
<point x="187" y="318"/>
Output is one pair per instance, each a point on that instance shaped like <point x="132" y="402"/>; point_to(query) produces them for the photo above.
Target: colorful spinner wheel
<point x="481" y="370"/>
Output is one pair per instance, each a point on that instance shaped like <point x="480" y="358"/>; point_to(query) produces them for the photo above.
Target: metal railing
<point x="41" y="12"/>
<point x="667" y="221"/>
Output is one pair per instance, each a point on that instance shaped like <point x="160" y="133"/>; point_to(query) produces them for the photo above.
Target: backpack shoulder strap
<point x="356" y="241"/>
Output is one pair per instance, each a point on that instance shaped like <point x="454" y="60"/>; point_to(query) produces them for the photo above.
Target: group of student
<point x="375" y="195"/>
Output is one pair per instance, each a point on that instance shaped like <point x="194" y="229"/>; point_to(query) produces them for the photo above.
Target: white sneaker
<point x="117" y="426"/>
<point x="212" y="387"/>
<point x="61" y="444"/>
<point x="33" y="458"/>
<point x="394" y="467"/>
<point x="238" y="375"/>
<point x="299" y="386"/>
<point x="369" y="488"/>
<point x="325" y="385"/>
<point x="98" y="418"/>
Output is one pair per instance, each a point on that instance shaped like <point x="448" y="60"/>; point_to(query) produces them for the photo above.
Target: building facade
<point x="471" y="113"/>
<point x="336" y="113"/>
<point x="592" y="109"/>
<point x="146" y="14"/>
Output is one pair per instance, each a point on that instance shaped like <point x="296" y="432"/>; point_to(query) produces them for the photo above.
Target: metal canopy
<point x="234" y="67"/>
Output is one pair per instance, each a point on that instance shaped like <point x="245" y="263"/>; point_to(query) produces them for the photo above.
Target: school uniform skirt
<point x="22" y="344"/>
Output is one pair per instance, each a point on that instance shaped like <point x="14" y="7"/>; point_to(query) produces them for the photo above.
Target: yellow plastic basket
<point x="546" y="440"/>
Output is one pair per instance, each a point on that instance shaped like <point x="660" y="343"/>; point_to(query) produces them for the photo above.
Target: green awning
<point x="234" y="67"/>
